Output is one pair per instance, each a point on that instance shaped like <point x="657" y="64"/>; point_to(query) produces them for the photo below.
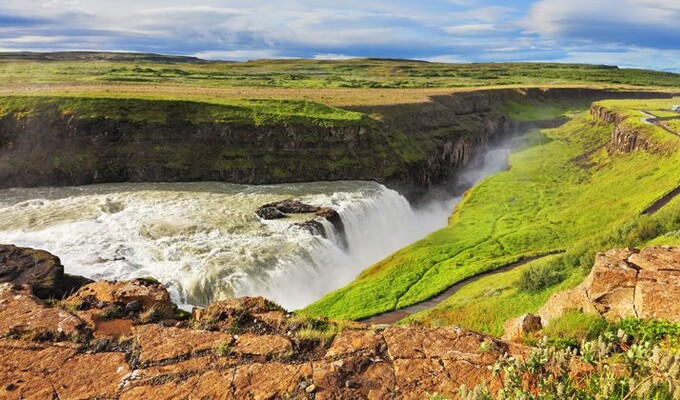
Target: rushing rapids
<point x="204" y="242"/>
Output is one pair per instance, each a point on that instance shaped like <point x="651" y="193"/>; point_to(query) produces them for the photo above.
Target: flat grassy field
<point x="352" y="73"/>
<point x="344" y="83"/>
<point x="565" y="186"/>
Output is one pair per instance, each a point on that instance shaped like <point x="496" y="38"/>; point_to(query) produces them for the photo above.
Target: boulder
<point x="39" y="270"/>
<point x="516" y="328"/>
<point x="269" y="213"/>
<point x="245" y="314"/>
<point x="290" y="206"/>
<point x="625" y="283"/>
<point x="279" y="209"/>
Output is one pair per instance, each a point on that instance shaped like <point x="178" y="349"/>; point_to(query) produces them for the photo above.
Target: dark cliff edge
<point x="409" y="147"/>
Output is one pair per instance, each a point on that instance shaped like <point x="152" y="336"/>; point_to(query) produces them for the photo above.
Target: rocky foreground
<point x="127" y="340"/>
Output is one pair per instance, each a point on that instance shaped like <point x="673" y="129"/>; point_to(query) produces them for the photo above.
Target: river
<point x="203" y="241"/>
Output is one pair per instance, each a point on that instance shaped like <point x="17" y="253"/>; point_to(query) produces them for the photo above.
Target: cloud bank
<point x="630" y="33"/>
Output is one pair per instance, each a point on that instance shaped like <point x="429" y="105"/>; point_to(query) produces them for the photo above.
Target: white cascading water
<point x="203" y="241"/>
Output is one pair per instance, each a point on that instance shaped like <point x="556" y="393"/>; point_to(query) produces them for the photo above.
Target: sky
<point x="627" y="33"/>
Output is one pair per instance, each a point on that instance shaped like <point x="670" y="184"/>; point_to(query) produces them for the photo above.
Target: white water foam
<point x="203" y="241"/>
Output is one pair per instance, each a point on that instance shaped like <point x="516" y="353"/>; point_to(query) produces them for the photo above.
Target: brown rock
<point x="180" y="389"/>
<point x="159" y="343"/>
<point x="245" y="314"/>
<point x="654" y="300"/>
<point x="625" y="283"/>
<point x="416" y="377"/>
<point x="190" y="366"/>
<point x="353" y="341"/>
<point x="270" y="381"/>
<point x="39" y="270"/>
<point x="32" y="370"/>
<point x="657" y="258"/>
<point x="611" y="271"/>
<point x="24" y="314"/>
<point x="151" y="295"/>
<point x="561" y="302"/>
<point x="516" y="328"/>
<point x="368" y="379"/>
<point x="441" y="343"/>
<point x="90" y="375"/>
<point x="263" y="345"/>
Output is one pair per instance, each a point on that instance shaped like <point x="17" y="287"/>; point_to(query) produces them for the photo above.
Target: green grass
<point x="355" y="73"/>
<point x="562" y="188"/>
<point x="258" y="112"/>
<point x="487" y="303"/>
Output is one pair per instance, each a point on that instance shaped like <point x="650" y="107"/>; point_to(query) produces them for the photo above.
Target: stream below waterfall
<point x="204" y="242"/>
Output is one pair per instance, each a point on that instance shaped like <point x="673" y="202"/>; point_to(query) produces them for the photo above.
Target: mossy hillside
<point x="487" y="303"/>
<point x="563" y="186"/>
<point x="247" y="112"/>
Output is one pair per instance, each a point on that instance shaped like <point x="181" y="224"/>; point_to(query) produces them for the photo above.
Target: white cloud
<point x="332" y="56"/>
<point x="649" y="23"/>
<point x="472" y="29"/>
<point x="237" y="55"/>
<point x="484" y="14"/>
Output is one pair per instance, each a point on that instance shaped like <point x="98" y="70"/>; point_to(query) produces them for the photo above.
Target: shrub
<point x="113" y="312"/>
<point x="540" y="277"/>
<point x="574" y="327"/>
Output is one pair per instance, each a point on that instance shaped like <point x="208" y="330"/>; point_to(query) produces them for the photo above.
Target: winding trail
<point x="393" y="316"/>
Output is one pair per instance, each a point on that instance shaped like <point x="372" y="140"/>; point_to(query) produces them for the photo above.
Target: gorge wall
<point x="624" y="138"/>
<point x="408" y="147"/>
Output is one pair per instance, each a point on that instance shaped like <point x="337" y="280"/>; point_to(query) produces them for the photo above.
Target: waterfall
<point x="203" y="241"/>
<point x="375" y="227"/>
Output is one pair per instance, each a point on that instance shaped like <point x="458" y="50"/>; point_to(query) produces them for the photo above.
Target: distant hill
<point x="99" y="56"/>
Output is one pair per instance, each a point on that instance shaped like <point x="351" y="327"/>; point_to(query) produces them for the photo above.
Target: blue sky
<point x="628" y="33"/>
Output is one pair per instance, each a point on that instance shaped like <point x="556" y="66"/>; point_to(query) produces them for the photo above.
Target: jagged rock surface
<point x="240" y="348"/>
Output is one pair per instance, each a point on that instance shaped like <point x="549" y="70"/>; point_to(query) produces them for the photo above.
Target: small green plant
<point x="224" y="349"/>
<point x="607" y="369"/>
<point x="574" y="327"/>
<point x="113" y="312"/>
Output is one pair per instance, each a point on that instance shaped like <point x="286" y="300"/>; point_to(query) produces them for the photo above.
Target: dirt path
<point x="391" y="317"/>
<point x="659" y="204"/>
<point x="652" y="119"/>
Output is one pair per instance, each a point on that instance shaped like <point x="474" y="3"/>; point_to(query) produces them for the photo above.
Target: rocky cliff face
<point x="412" y="147"/>
<point x="625" y="139"/>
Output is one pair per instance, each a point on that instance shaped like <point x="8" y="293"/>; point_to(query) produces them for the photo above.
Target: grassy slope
<point x="565" y="187"/>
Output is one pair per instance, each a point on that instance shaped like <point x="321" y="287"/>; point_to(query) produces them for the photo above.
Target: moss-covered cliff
<point x="82" y="140"/>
